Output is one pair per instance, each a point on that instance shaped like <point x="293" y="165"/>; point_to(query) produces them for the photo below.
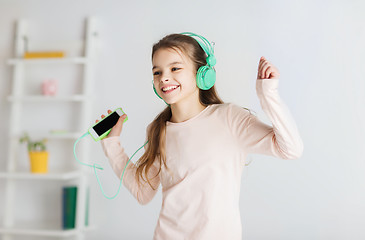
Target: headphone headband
<point x="207" y="47"/>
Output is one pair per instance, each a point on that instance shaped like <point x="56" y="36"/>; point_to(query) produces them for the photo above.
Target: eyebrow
<point x="168" y="65"/>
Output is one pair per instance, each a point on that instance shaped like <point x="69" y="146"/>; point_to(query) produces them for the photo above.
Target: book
<point x="58" y="54"/>
<point x="69" y="199"/>
<point x="87" y="207"/>
<point x="69" y="207"/>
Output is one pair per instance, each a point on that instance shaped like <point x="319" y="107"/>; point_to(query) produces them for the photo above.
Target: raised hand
<point x="266" y="70"/>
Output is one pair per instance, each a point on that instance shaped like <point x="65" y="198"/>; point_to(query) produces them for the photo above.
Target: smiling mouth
<point x="170" y="89"/>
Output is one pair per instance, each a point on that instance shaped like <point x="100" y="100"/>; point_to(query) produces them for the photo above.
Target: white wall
<point x="318" y="47"/>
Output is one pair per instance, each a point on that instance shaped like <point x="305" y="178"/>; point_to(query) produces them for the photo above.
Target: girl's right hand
<point x="117" y="129"/>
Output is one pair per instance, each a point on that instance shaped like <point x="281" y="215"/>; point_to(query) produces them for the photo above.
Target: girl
<point x="198" y="144"/>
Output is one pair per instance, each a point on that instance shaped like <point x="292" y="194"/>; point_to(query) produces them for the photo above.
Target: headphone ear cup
<point x="154" y="89"/>
<point x="205" y="77"/>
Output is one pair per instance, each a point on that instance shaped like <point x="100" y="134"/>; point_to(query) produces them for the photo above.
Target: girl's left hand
<point x="267" y="70"/>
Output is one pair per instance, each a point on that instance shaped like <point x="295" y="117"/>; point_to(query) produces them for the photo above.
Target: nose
<point x="164" y="80"/>
<point x="164" y="77"/>
<point x="160" y="80"/>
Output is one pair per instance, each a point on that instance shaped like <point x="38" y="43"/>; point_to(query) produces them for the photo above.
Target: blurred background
<point x="318" y="47"/>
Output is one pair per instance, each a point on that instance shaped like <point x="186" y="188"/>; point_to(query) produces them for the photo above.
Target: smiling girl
<point x="197" y="146"/>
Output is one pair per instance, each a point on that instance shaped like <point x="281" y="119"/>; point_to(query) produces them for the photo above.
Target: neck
<point x="183" y="111"/>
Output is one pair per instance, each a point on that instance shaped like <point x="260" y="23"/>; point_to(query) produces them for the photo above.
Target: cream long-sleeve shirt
<point x="205" y="156"/>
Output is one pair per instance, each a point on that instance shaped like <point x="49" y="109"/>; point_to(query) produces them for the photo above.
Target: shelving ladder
<point x="16" y="100"/>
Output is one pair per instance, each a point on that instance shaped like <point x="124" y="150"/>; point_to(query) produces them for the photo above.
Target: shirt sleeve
<point x="118" y="159"/>
<point x="280" y="140"/>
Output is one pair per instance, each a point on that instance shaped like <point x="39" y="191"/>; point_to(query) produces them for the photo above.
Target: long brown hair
<point x="156" y="132"/>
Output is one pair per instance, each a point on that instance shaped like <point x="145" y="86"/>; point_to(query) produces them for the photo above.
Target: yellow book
<point x="44" y="55"/>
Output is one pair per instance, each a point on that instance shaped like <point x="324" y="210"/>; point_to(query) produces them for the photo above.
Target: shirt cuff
<point x="111" y="146"/>
<point x="110" y="139"/>
<point x="266" y="86"/>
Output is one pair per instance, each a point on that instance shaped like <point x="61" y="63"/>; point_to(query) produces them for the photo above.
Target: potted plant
<point x="38" y="154"/>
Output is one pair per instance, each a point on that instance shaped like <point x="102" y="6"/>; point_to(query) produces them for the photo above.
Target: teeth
<point x="169" y="88"/>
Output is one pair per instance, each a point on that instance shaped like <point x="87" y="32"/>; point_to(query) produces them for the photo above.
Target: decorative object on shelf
<point x="58" y="54"/>
<point x="37" y="154"/>
<point x="49" y="87"/>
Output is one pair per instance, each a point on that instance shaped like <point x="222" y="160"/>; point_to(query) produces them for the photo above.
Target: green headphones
<point x="205" y="77"/>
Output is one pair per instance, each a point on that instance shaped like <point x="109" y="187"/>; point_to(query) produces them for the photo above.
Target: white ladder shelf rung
<point x="46" y="176"/>
<point x="41" y="98"/>
<point x="73" y="60"/>
<point x="43" y="232"/>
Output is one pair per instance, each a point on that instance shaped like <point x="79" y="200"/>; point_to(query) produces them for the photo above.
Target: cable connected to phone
<point x="97" y="166"/>
<point x="93" y="166"/>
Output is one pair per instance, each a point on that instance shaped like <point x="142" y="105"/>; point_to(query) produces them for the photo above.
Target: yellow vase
<point x="38" y="162"/>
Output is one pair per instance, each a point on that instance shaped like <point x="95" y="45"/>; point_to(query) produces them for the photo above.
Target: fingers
<point x="265" y="68"/>
<point x="263" y="65"/>
<point x="103" y="116"/>
<point x="117" y="129"/>
<point x="268" y="71"/>
<point x="121" y="120"/>
<point x="109" y="112"/>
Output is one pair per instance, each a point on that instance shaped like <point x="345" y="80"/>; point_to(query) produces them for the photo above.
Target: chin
<point x="170" y="102"/>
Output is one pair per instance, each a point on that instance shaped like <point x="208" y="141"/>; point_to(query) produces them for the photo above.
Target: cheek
<point x="155" y="85"/>
<point x="191" y="85"/>
<point x="188" y="81"/>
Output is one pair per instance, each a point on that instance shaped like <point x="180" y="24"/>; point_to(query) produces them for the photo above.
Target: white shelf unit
<point x="12" y="175"/>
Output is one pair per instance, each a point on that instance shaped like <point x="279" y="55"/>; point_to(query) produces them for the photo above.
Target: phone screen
<point x="106" y="124"/>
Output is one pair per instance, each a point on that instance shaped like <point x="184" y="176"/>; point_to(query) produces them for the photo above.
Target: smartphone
<point x="102" y="128"/>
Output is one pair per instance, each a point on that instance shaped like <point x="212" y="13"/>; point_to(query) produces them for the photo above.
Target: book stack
<point x="29" y="55"/>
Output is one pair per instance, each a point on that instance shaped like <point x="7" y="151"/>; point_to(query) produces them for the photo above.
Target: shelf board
<point x="33" y="232"/>
<point x="46" y="232"/>
<point x="52" y="136"/>
<point x="69" y="135"/>
<point x="42" y="98"/>
<point x="41" y="176"/>
<point x="72" y="60"/>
